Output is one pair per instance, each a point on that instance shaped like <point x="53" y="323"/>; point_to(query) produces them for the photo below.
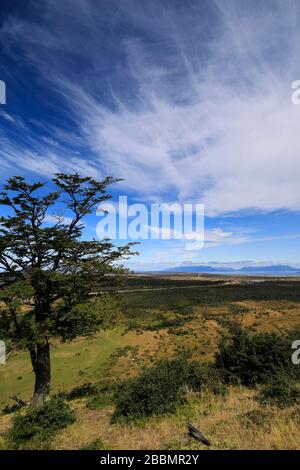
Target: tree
<point x="48" y="270"/>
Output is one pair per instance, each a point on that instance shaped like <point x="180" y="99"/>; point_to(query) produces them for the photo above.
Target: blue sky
<point x="187" y="101"/>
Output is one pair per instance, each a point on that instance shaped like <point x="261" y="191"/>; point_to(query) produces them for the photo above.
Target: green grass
<point x="235" y="421"/>
<point x="85" y="360"/>
<point x="72" y="364"/>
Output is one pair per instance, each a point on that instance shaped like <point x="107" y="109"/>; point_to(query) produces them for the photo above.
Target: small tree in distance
<point x="48" y="271"/>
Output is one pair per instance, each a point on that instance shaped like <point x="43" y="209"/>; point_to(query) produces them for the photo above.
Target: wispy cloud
<point x="191" y="100"/>
<point x="211" y="238"/>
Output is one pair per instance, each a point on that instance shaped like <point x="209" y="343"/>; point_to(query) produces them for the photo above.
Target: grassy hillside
<point x="187" y="317"/>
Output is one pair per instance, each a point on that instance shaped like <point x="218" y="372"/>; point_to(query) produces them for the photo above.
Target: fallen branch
<point x="196" y="434"/>
<point x="20" y="402"/>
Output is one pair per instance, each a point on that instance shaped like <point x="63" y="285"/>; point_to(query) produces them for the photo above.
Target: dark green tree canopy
<point x="48" y="271"/>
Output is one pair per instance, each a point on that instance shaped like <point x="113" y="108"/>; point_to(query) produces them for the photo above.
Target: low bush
<point x="162" y="388"/>
<point x="99" y="401"/>
<point x="157" y="390"/>
<point x="178" y="331"/>
<point x="281" y="392"/>
<point x="97" y="444"/>
<point x="205" y="376"/>
<point x="41" y="423"/>
<point x="255" y="359"/>
<point x="86" y="390"/>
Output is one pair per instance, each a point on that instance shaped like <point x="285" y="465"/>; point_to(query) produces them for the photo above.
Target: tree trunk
<point x="40" y="358"/>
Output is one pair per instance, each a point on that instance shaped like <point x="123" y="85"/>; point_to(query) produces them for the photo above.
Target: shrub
<point x="157" y="390"/>
<point x="178" y="331"/>
<point x="162" y="388"/>
<point x="97" y="444"/>
<point x="205" y="376"/>
<point x="86" y="390"/>
<point x="41" y="423"/>
<point x="281" y="392"/>
<point x="256" y="417"/>
<point x="251" y="359"/>
<point x="99" y="401"/>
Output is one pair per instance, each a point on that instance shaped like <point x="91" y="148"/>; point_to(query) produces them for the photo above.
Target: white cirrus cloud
<point x="193" y="102"/>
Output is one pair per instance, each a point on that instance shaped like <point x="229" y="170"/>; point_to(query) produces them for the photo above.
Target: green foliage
<point x="15" y="327"/>
<point x="256" y="417"/>
<point x="184" y="299"/>
<point x="178" y="331"/>
<point x="236" y="309"/>
<point x="97" y="444"/>
<point x="99" y="401"/>
<point x="162" y="388"/>
<point x="87" y="318"/>
<point x="98" y="395"/>
<point x="49" y="270"/>
<point x="280" y="391"/>
<point x="41" y="423"/>
<point x="157" y="390"/>
<point x="205" y="377"/>
<point x="82" y="391"/>
<point x="251" y="359"/>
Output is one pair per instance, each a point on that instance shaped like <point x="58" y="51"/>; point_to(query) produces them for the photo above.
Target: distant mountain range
<point x="274" y="269"/>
